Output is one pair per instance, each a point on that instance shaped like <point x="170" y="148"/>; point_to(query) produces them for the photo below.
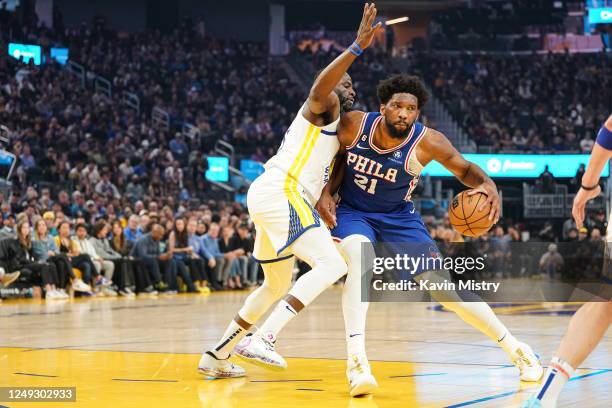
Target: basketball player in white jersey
<point x="281" y="203"/>
<point x="589" y="324"/>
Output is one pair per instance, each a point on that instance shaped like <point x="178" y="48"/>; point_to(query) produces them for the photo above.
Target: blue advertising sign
<point x="218" y="169"/>
<point x="25" y="52"/>
<point x="520" y="165"/>
<point x="600" y="15"/>
<point x="251" y="169"/>
<point x="60" y="55"/>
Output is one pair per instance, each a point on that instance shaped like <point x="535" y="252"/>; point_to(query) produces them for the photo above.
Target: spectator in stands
<point x="178" y="245"/>
<point x="598" y="221"/>
<point x="551" y="262"/>
<point x="546" y="181"/>
<point x="45" y="249"/>
<point x="132" y="232"/>
<point x="572" y="235"/>
<point x="49" y="219"/>
<point x="200" y="252"/>
<point x="210" y="240"/>
<point x="123" y="276"/>
<point x="500" y="243"/>
<point x="547" y="233"/>
<point x="233" y="272"/>
<point x="105" y="267"/>
<point x="147" y="250"/>
<point x="9" y="226"/>
<point x="586" y="144"/>
<point x="21" y="256"/>
<point x="70" y="248"/>
<point x="122" y="246"/>
<point x="105" y="188"/>
<point x="246" y="242"/>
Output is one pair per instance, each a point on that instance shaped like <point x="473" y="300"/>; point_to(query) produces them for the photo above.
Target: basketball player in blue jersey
<point x="590" y="323"/>
<point x="281" y="203"/>
<point x="380" y="159"/>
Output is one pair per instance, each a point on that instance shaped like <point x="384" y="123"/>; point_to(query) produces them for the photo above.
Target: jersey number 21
<point x="365" y="183"/>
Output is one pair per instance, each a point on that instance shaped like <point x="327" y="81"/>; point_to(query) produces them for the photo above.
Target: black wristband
<point x="589" y="188"/>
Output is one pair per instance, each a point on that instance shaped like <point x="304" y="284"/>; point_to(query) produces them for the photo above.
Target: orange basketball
<point x="464" y="215"/>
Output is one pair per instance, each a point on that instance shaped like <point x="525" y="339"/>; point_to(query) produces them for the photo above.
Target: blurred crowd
<point x="535" y="104"/>
<point x="481" y="26"/>
<point x="144" y="250"/>
<point x="516" y="250"/>
<point x="105" y="201"/>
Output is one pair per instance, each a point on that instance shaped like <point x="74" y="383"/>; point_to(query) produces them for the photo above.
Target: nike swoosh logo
<point x="363" y="148"/>
<point x="291" y="310"/>
<point x="353" y="335"/>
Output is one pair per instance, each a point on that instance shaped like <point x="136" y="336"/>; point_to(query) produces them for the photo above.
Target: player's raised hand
<point x="580" y="201"/>
<point x="326" y="206"/>
<point x="366" y="31"/>
<point x="493" y="200"/>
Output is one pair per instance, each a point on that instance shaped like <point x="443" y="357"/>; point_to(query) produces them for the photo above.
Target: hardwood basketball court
<point x="144" y="353"/>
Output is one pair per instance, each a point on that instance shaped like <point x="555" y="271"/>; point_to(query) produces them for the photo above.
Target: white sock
<point x="558" y="374"/>
<point x="280" y="316"/>
<point x="508" y="343"/>
<point x="233" y="334"/>
<point x="353" y="309"/>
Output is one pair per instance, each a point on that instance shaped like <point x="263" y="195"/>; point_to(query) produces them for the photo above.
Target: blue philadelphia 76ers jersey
<point x="376" y="180"/>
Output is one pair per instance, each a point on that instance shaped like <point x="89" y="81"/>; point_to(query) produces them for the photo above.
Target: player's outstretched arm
<point x="602" y="152"/>
<point x="322" y="98"/>
<point x="347" y="133"/>
<point x="437" y="147"/>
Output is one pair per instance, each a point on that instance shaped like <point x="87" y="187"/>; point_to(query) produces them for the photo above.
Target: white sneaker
<point x="63" y="293"/>
<point x="108" y="291"/>
<point x="259" y="350"/>
<point x="53" y="295"/>
<point x="527" y="362"/>
<point x="79" y="286"/>
<point x="360" y="378"/>
<point x="211" y="366"/>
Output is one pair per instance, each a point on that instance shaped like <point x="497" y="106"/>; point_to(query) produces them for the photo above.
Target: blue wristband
<point x="604" y="138"/>
<point x="355" y="49"/>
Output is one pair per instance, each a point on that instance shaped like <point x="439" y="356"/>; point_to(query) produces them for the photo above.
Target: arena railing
<point x="160" y="117"/>
<point x="132" y="100"/>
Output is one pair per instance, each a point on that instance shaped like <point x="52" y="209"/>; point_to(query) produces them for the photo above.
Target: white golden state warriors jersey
<point x="305" y="155"/>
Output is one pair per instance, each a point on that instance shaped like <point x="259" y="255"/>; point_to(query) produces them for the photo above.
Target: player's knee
<point x="337" y="266"/>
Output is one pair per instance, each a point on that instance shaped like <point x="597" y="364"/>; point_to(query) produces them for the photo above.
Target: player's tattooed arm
<point x="347" y="133"/>
<point x="435" y="146"/>
<point x="322" y="99"/>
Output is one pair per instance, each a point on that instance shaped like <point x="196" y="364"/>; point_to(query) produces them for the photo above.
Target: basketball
<point x="465" y="217"/>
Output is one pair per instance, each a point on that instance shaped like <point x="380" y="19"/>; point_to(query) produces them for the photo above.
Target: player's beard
<point x="345" y="105"/>
<point x="396" y="133"/>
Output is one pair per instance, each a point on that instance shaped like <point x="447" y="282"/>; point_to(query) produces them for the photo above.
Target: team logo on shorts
<point x="397" y="154"/>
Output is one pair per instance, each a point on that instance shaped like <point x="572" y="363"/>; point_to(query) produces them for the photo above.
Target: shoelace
<point x="358" y="366"/>
<point x="269" y="345"/>
<point x="522" y="360"/>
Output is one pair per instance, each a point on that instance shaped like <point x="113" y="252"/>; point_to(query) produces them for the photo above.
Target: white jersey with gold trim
<point x="305" y="155"/>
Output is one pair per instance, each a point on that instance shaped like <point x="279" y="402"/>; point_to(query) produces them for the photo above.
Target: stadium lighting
<point x="397" y="20"/>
